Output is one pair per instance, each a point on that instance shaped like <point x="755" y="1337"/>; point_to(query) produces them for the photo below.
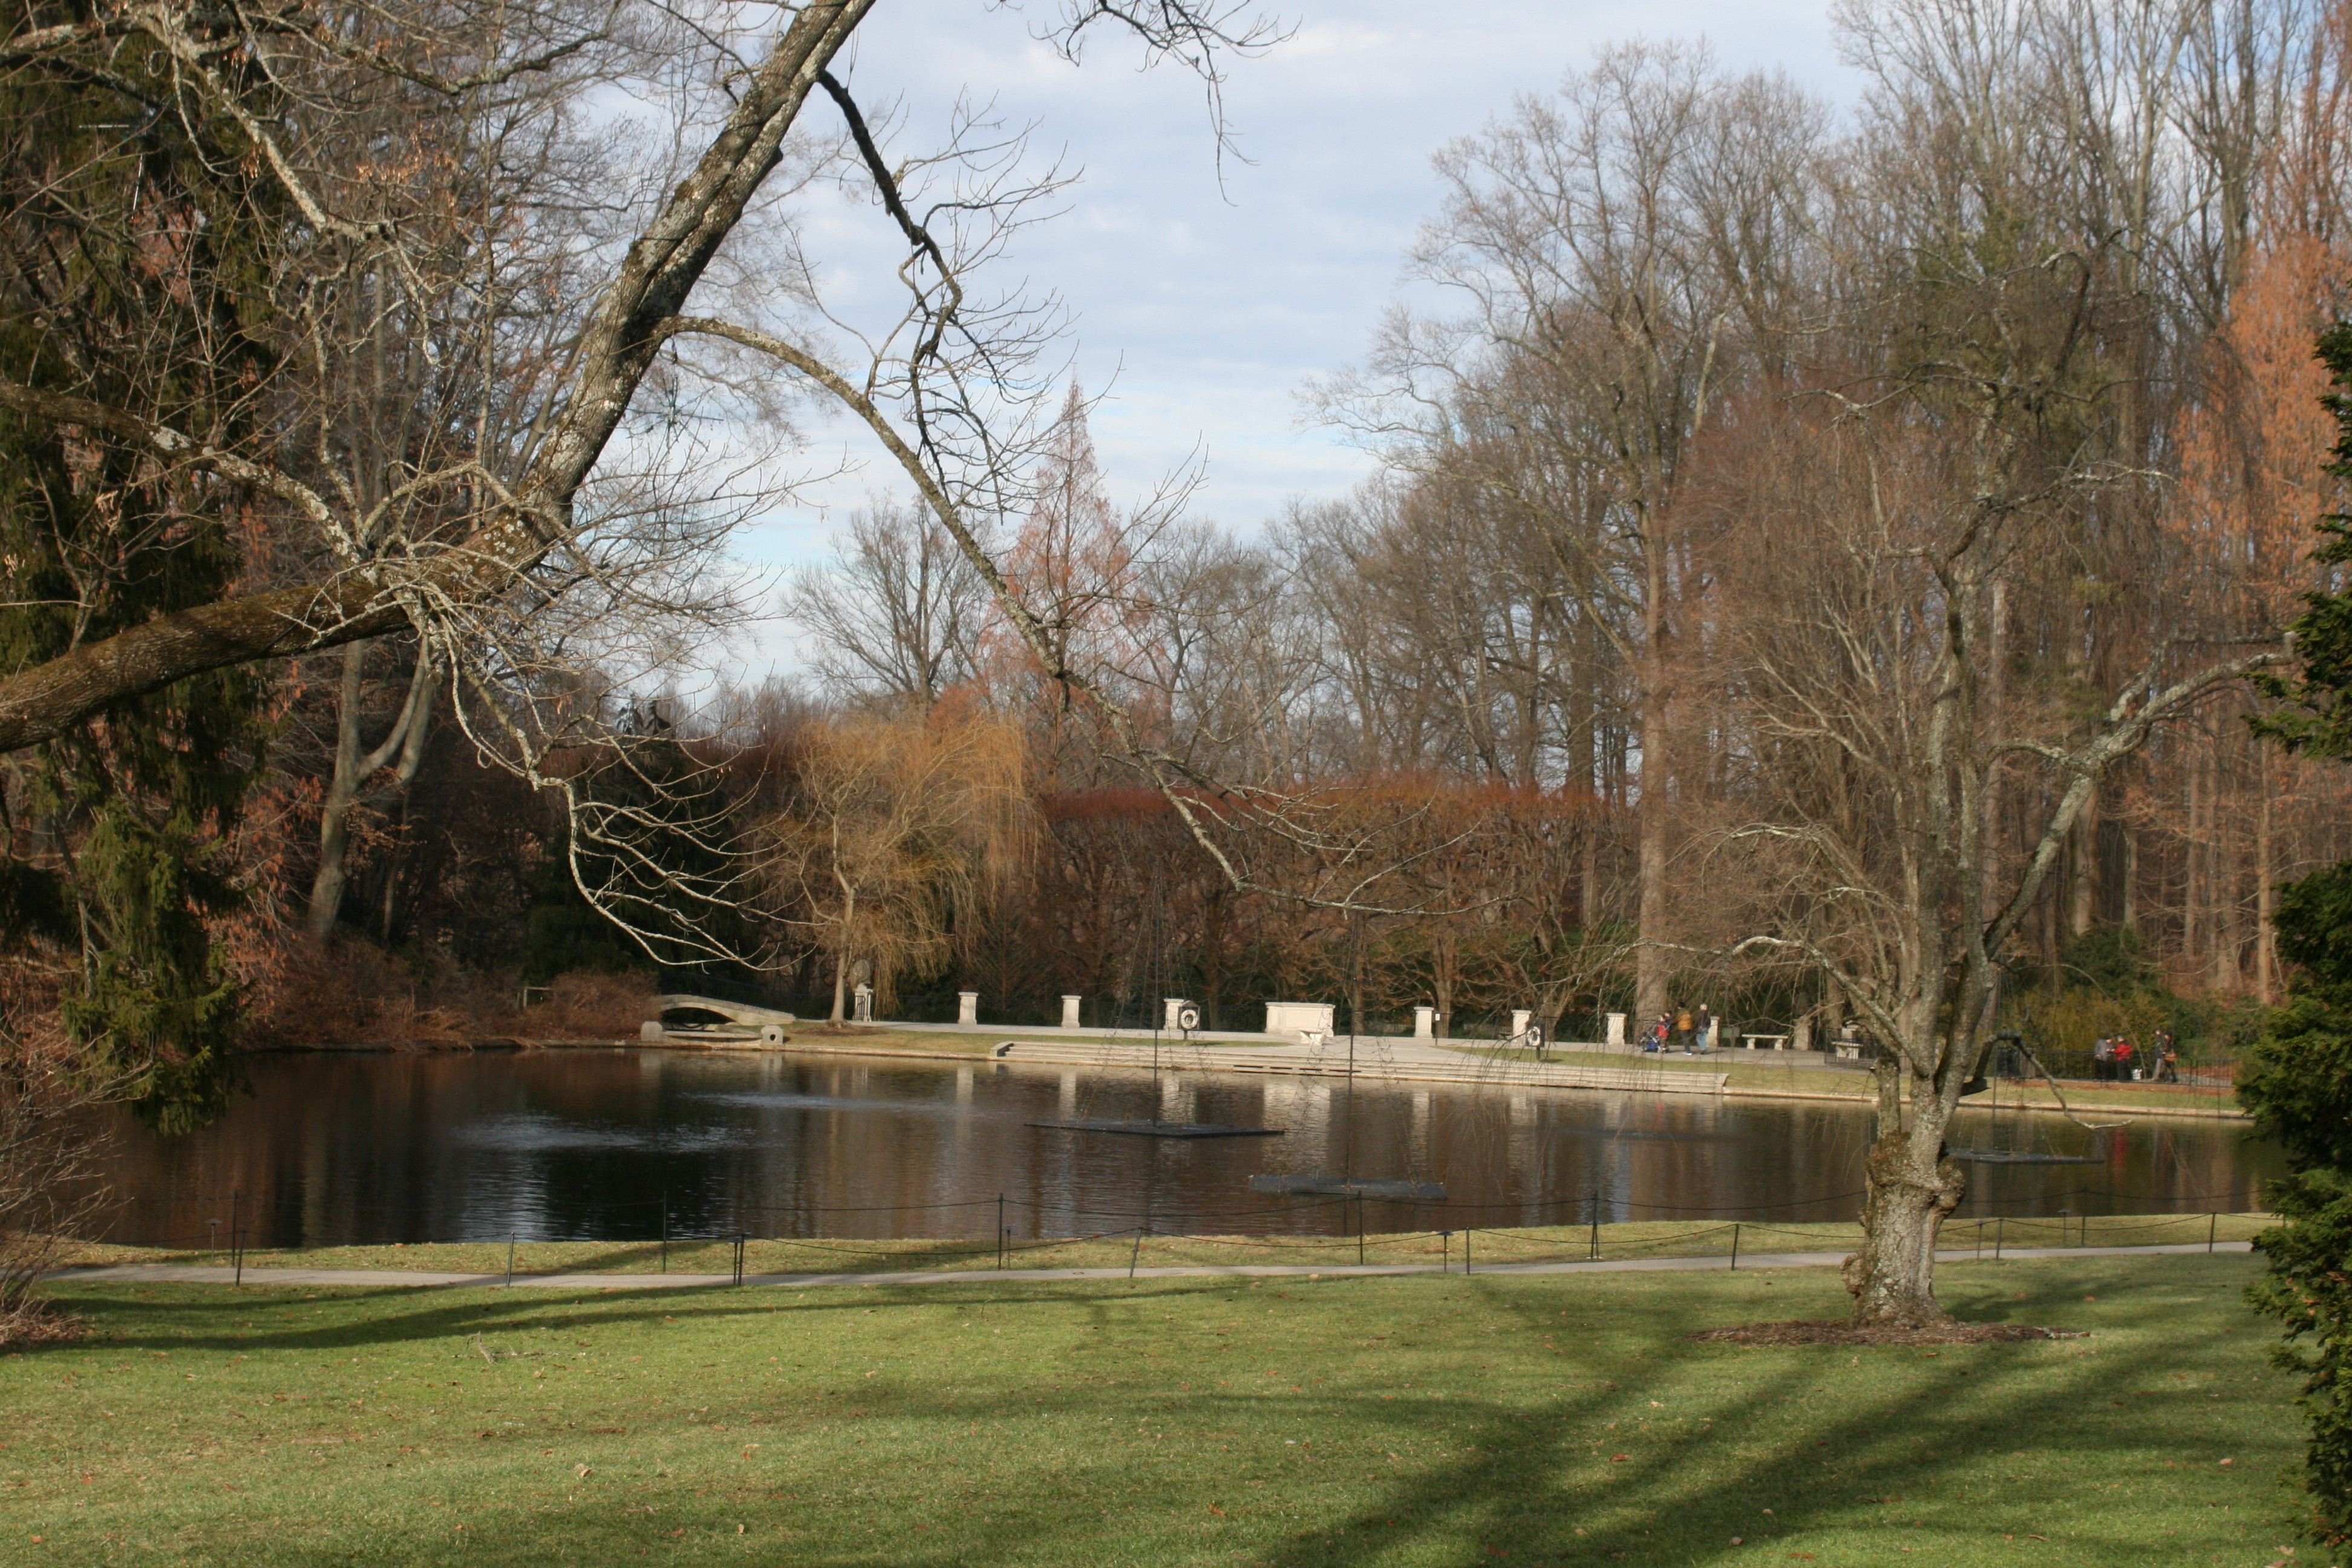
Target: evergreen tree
<point x="2296" y="1083"/>
<point x="133" y="266"/>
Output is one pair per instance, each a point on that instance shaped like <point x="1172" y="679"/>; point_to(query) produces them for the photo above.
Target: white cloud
<point x="1212" y="305"/>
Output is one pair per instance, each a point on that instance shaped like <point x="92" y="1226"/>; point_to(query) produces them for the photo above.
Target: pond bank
<point x="1725" y="1073"/>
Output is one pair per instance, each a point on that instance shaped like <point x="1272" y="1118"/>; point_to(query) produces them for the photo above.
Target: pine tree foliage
<point x="2297" y="1081"/>
<point x="133" y="251"/>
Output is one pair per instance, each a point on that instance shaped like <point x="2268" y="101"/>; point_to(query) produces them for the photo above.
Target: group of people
<point x="2115" y="1059"/>
<point x="1680" y="1029"/>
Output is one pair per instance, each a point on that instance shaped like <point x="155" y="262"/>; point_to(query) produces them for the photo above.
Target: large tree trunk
<point x="2265" y="885"/>
<point x="1651" y="964"/>
<point x="2082" y="871"/>
<point x="841" y="960"/>
<point x="1911" y="1185"/>
<point x="1445" y="951"/>
<point x="346" y="787"/>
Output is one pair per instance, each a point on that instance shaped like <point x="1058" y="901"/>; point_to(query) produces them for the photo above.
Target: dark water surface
<point x="595" y="1144"/>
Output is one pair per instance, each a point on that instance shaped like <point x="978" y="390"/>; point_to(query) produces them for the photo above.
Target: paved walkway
<point x="186" y="1274"/>
<point x="1389" y="1059"/>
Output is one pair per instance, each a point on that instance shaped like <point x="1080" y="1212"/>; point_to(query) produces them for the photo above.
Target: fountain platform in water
<point x="1160" y="1129"/>
<point x="1351" y="1187"/>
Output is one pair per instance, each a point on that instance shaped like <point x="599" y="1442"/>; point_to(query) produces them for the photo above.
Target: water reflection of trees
<point x="591" y="1145"/>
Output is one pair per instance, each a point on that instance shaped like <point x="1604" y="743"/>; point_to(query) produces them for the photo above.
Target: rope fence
<point x="1601" y="1230"/>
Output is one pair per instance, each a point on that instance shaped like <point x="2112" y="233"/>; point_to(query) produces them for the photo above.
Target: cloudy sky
<point x="1204" y="309"/>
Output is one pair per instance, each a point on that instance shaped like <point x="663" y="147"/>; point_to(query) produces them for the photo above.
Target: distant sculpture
<point x="863" y="1012"/>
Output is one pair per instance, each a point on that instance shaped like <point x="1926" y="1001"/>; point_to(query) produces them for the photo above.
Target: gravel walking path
<point x="191" y="1274"/>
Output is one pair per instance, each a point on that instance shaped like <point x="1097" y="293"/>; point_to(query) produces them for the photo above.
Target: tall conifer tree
<point x="2297" y="1081"/>
<point x="134" y="271"/>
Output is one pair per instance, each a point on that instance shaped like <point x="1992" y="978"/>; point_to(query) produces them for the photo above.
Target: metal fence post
<point x="1135" y="1257"/>
<point x="1466" y="1251"/>
<point x="236" y="1235"/>
<point x="1596" y="1225"/>
<point x="510" y="1247"/>
<point x="2212" y="1228"/>
<point x="664" y="1233"/>
<point x="1999" y="1224"/>
<point x="738" y="1257"/>
<point x="1735" y="1244"/>
<point x="1000" y="1230"/>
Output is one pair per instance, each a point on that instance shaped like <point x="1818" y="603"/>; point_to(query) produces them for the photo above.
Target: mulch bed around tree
<point x="1803" y="1334"/>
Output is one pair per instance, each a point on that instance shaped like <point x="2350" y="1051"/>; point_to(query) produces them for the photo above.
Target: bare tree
<point x="1629" y="249"/>
<point x="532" y="511"/>
<point x="1871" y="641"/>
<point x="896" y="618"/>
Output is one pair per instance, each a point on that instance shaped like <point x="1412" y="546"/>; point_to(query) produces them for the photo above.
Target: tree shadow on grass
<point x="1822" y="1435"/>
<point x="211" y="1317"/>
<point x="1541" y="1481"/>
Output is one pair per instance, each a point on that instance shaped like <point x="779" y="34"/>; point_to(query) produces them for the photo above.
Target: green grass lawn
<point x="1440" y="1421"/>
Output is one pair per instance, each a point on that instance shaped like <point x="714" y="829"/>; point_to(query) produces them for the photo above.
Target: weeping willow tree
<point x="899" y="829"/>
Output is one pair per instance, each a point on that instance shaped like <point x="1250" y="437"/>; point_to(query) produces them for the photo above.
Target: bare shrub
<point x="582" y="1005"/>
<point x="348" y="991"/>
<point x="51" y="1198"/>
<point x="344" y="993"/>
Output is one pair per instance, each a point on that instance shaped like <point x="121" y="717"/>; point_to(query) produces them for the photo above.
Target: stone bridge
<point x="741" y="1014"/>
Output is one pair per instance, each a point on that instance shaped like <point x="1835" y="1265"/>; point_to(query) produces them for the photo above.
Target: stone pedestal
<point x="861" y="1007"/>
<point x="1714" y="1031"/>
<point x="967" y="1006"/>
<point x="1617" y="1029"/>
<point x="1070" y="1012"/>
<point x="772" y="1034"/>
<point x="1424" y="1023"/>
<point x="1297" y="1017"/>
<point x="650" y="1031"/>
<point x="1170" y="1007"/>
<point x="1519" y="1016"/>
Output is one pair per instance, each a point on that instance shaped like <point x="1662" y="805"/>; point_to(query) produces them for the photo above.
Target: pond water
<point x="602" y="1144"/>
